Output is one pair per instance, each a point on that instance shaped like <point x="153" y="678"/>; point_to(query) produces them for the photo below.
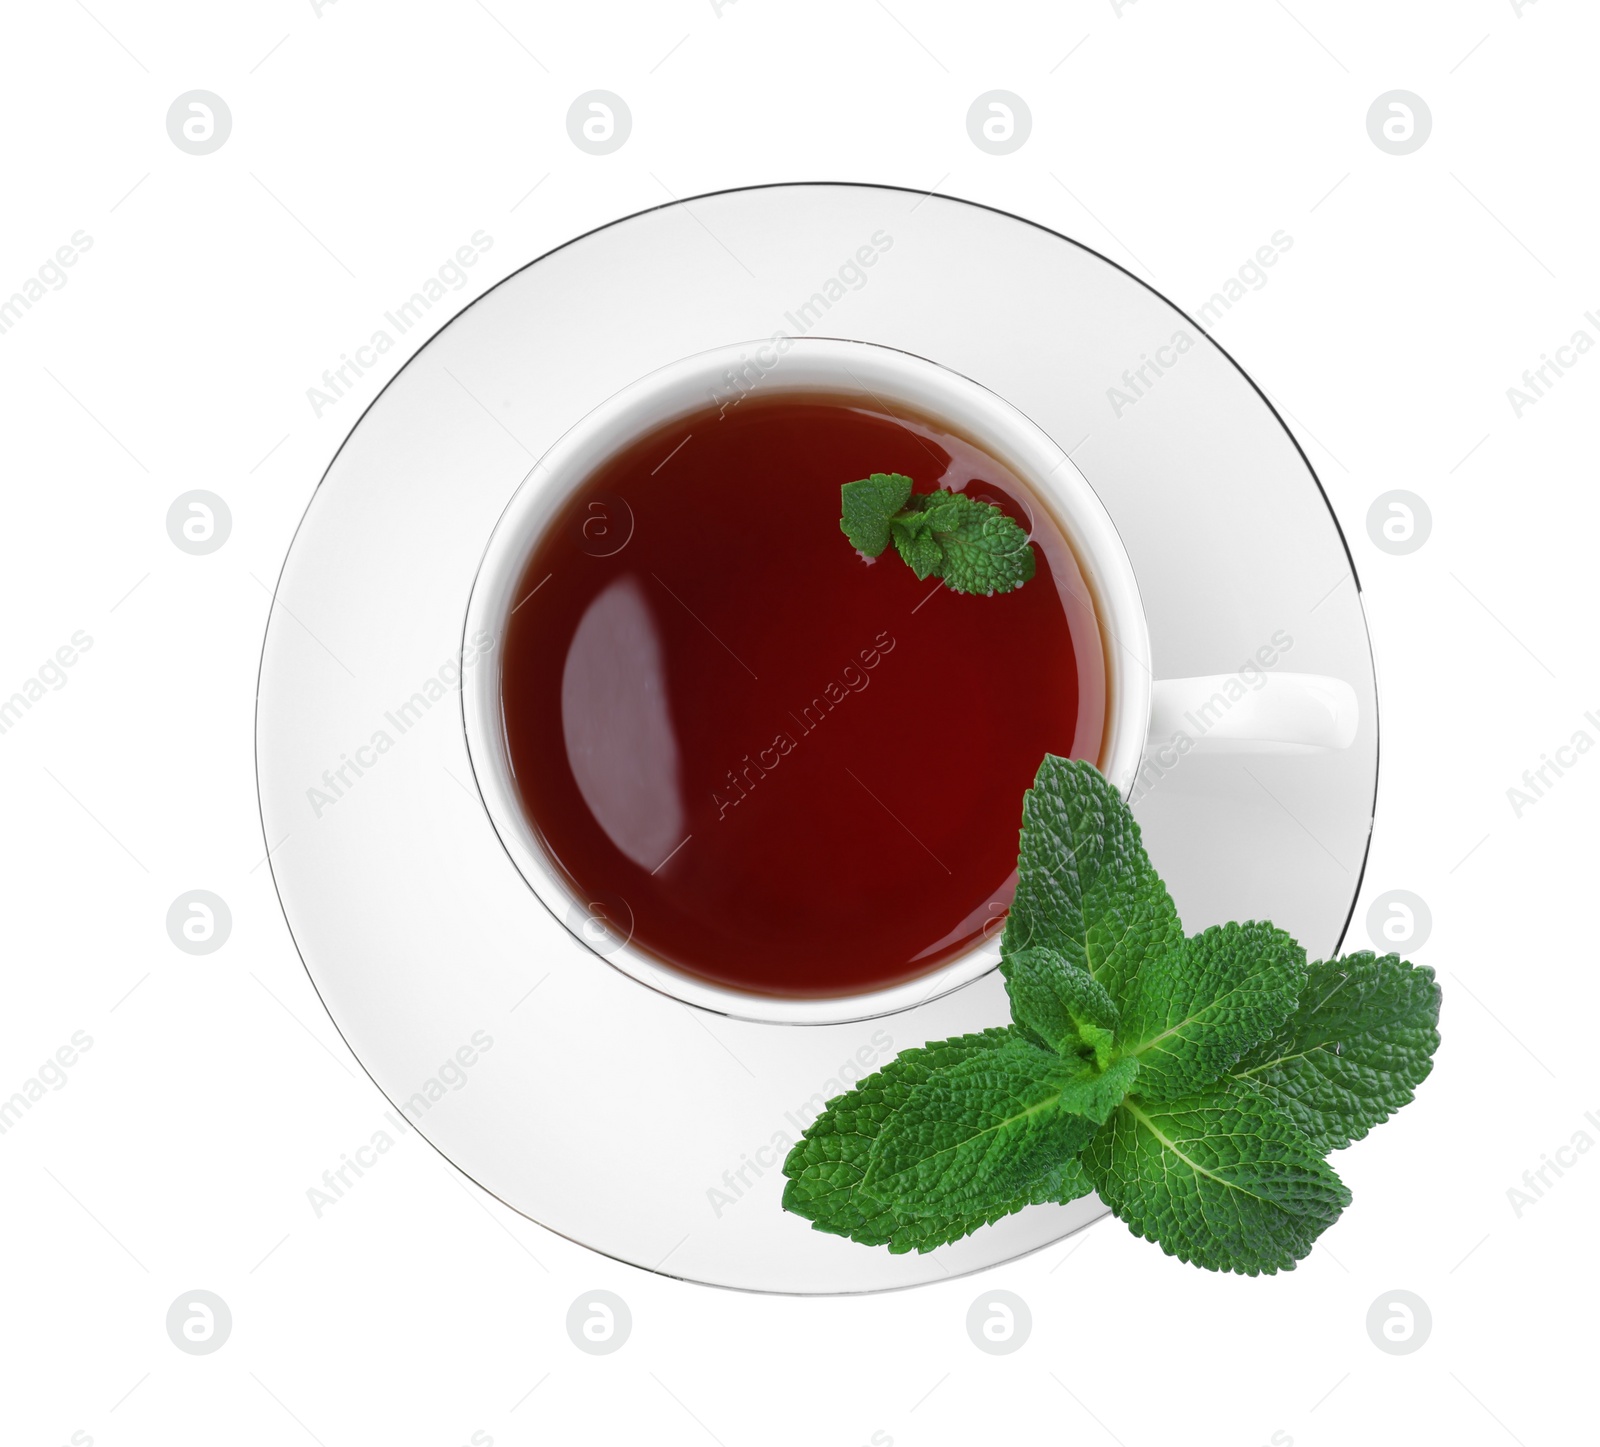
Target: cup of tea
<point x="764" y="774"/>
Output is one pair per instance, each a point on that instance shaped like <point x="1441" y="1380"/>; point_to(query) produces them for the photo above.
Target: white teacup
<point x="1280" y="712"/>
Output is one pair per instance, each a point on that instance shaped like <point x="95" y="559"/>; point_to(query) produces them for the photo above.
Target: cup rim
<point x="679" y="389"/>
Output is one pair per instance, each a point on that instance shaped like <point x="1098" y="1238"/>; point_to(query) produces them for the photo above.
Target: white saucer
<point x="603" y="1110"/>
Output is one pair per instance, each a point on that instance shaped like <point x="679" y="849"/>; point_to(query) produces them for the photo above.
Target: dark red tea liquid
<point x="781" y="767"/>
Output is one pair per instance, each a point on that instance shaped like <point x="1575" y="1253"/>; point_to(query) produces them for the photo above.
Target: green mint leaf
<point x="984" y="550"/>
<point x="990" y="1126"/>
<point x="1188" y="1016"/>
<point x="825" y="1168"/>
<point x="1062" y="1007"/>
<point x="917" y="545"/>
<point x="1064" y="1182"/>
<point x="867" y="506"/>
<point x="1085" y="886"/>
<point x="1354" y="1051"/>
<point x="1221" y="1179"/>
<point x="970" y="543"/>
<point x="939" y="511"/>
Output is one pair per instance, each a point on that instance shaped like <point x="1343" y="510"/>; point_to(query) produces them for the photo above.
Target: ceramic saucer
<point x="639" y="1126"/>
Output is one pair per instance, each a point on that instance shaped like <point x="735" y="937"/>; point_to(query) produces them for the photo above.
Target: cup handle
<point x="1277" y="713"/>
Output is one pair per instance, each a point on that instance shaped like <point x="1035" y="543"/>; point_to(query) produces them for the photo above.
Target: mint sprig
<point x="968" y="542"/>
<point x="1196" y="1083"/>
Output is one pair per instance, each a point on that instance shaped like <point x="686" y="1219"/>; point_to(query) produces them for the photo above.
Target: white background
<point x="368" y="143"/>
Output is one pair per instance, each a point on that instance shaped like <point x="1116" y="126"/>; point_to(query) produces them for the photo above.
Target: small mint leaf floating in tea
<point x="1221" y="1179"/>
<point x="968" y="542"/>
<point x="868" y="506"/>
<point x="984" y="550"/>
<point x="1354" y="1051"/>
<point x="919" y="548"/>
<point x="1197" y="1084"/>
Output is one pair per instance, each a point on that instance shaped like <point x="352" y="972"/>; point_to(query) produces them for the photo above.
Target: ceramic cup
<point x="1276" y="712"/>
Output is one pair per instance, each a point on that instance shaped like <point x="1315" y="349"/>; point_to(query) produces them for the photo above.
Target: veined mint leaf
<point x="867" y="506"/>
<point x="1354" y="1051"/>
<point x="825" y="1168"/>
<point x="971" y="543"/>
<point x="1191" y="1014"/>
<point x="1221" y="1179"/>
<point x="1085" y="886"/>
<point x="989" y="1126"/>
<point x="1065" y="1182"/>
<point x="984" y="550"/>
<point x="917" y="546"/>
<point x="1061" y="1006"/>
